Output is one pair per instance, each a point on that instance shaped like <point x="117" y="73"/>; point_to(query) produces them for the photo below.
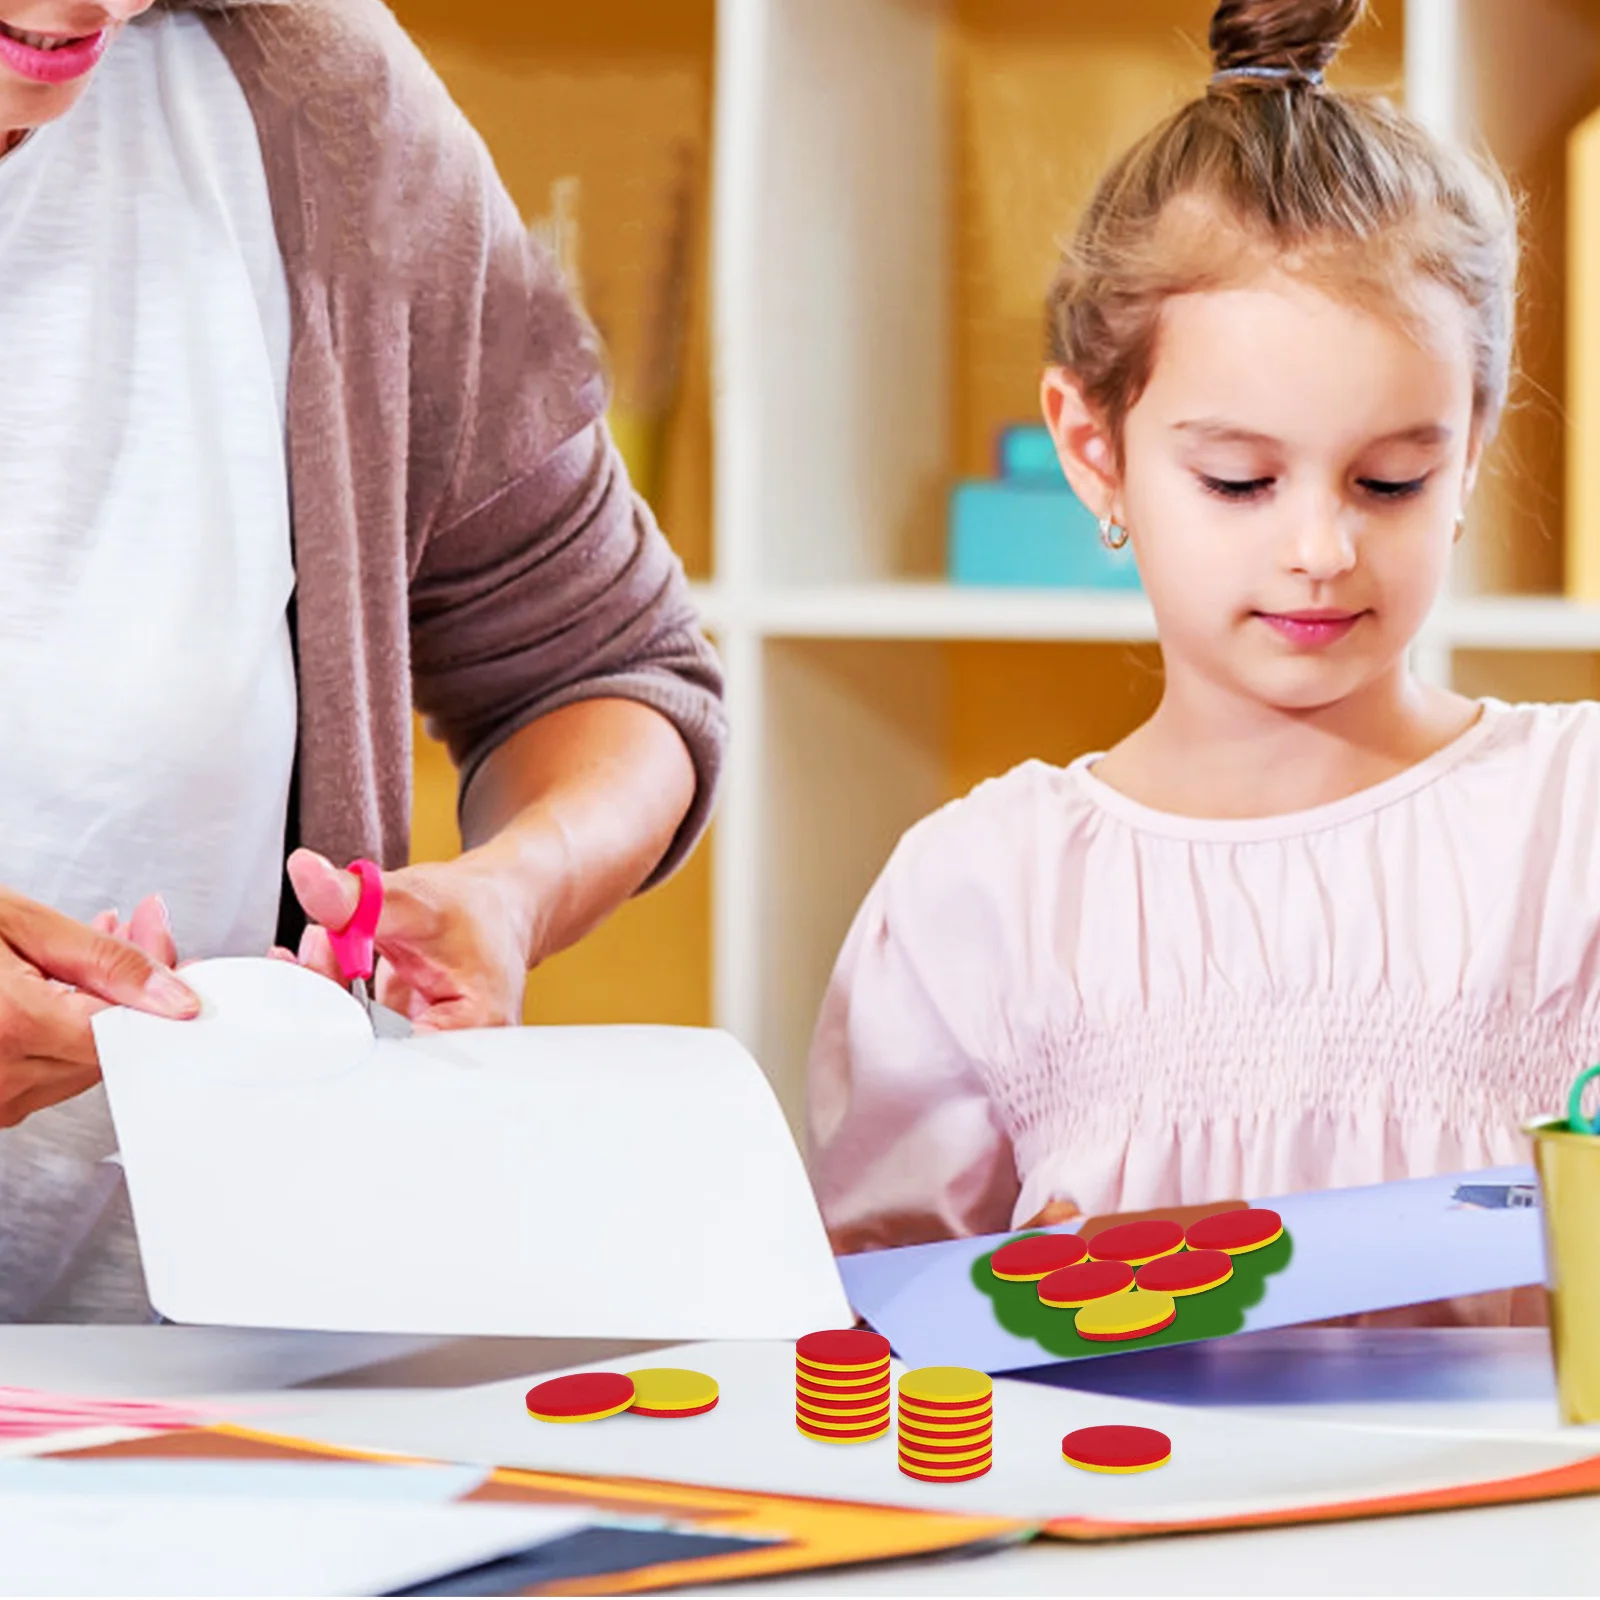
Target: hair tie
<point x="1288" y="75"/>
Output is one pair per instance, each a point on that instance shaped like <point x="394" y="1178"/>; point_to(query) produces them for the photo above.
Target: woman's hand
<point x="451" y="940"/>
<point x="55" y="975"/>
<point x="148" y="928"/>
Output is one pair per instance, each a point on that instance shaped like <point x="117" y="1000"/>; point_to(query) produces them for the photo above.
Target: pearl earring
<point x="1111" y="536"/>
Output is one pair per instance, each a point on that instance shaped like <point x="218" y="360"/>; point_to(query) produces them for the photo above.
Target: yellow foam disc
<point x="968" y="1469"/>
<point x="946" y="1386"/>
<point x="959" y="1424"/>
<point x="843" y="1438"/>
<point x="672" y="1389"/>
<point x="1125" y="1316"/>
<point x="939" y="1459"/>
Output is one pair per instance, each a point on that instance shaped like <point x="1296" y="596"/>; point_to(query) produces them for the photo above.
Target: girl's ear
<point x="1475" y="447"/>
<point x="1086" y="453"/>
<point x="1469" y="479"/>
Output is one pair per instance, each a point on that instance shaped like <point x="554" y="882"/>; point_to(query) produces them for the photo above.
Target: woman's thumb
<point x="328" y="896"/>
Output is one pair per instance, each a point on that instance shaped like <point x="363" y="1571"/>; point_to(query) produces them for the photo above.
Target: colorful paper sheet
<point x="774" y="1534"/>
<point x="1227" y="1468"/>
<point x="37" y="1414"/>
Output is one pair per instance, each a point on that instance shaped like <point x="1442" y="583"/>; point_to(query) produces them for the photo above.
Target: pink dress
<point x="1056" y="993"/>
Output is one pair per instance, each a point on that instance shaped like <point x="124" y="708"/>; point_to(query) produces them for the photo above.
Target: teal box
<point x="1026" y="534"/>
<point x="1027" y="451"/>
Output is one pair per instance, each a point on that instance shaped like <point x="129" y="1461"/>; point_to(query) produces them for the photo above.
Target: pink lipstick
<point x="1311" y="630"/>
<point x="61" y="63"/>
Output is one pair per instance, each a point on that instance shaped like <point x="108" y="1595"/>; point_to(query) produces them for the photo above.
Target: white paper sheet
<point x="73" y="1544"/>
<point x="286" y="1170"/>
<point x="1223" y="1463"/>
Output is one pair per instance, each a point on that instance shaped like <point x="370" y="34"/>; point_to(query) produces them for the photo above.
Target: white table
<point x="1452" y="1379"/>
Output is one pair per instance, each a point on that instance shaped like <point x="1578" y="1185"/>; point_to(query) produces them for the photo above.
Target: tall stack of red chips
<point x="841" y="1385"/>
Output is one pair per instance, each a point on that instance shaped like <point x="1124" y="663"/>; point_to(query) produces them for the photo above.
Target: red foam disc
<point x="967" y="1426"/>
<point x="1187" y="1272"/>
<point x="1089" y="1280"/>
<point x="1137" y="1242"/>
<point x="956" y="1420"/>
<point x="818" y="1431"/>
<point x="874" y="1379"/>
<point x="1033" y="1258"/>
<point x="690" y="1411"/>
<point x="843" y="1349"/>
<point x="854" y="1406"/>
<point x="585" y="1396"/>
<point x="820" y="1408"/>
<point x="1116" y="1448"/>
<point x="837" y="1419"/>
<point x="1236" y="1231"/>
<point x="920" y="1446"/>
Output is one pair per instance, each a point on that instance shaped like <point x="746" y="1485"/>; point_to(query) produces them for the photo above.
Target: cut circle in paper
<point x="1037" y="1257"/>
<point x="1187" y="1272"/>
<point x="1089" y="1280"/>
<point x="1117" y="1448"/>
<point x="1137" y="1242"/>
<point x="582" y="1397"/>
<point x="1236" y="1232"/>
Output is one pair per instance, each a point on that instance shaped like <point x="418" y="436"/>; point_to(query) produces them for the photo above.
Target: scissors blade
<point x="386" y="1023"/>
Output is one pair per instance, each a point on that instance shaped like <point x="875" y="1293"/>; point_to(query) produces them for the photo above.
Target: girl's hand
<point x="451" y="942"/>
<point x="55" y="975"/>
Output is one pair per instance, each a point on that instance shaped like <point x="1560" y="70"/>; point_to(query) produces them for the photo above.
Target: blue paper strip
<point x="1355" y="1250"/>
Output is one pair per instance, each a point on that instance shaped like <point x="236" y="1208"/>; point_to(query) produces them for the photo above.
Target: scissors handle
<point x="353" y="946"/>
<point x="1576" y="1120"/>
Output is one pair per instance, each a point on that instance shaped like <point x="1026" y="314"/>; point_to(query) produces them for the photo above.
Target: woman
<point x="297" y="429"/>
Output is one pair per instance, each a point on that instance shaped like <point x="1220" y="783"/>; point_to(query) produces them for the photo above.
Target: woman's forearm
<point x="572" y="814"/>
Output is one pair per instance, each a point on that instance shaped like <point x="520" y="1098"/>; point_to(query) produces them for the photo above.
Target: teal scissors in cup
<point x="355" y="950"/>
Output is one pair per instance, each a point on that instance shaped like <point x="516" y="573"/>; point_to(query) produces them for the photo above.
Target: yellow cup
<point x="1569" y="1181"/>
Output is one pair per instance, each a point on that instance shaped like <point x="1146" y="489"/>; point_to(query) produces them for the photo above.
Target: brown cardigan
<point x="464" y="531"/>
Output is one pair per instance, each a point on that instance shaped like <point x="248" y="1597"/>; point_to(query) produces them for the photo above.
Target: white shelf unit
<point x="834" y="288"/>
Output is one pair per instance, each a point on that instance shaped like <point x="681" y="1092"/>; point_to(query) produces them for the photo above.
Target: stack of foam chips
<point x="946" y="1424"/>
<point x="841" y="1385"/>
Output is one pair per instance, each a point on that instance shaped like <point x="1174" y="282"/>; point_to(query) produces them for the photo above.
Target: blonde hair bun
<point x="1280" y="36"/>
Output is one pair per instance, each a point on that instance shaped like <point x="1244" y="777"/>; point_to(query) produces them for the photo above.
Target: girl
<point x="1315" y="923"/>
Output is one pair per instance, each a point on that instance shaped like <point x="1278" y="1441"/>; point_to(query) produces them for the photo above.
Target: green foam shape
<point x="1207" y="1315"/>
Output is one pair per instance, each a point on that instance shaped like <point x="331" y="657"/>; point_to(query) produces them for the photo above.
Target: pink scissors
<point x="355" y="950"/>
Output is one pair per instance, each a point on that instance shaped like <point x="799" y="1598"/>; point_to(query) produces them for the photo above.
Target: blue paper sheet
<point x="1364" y="1249"/>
